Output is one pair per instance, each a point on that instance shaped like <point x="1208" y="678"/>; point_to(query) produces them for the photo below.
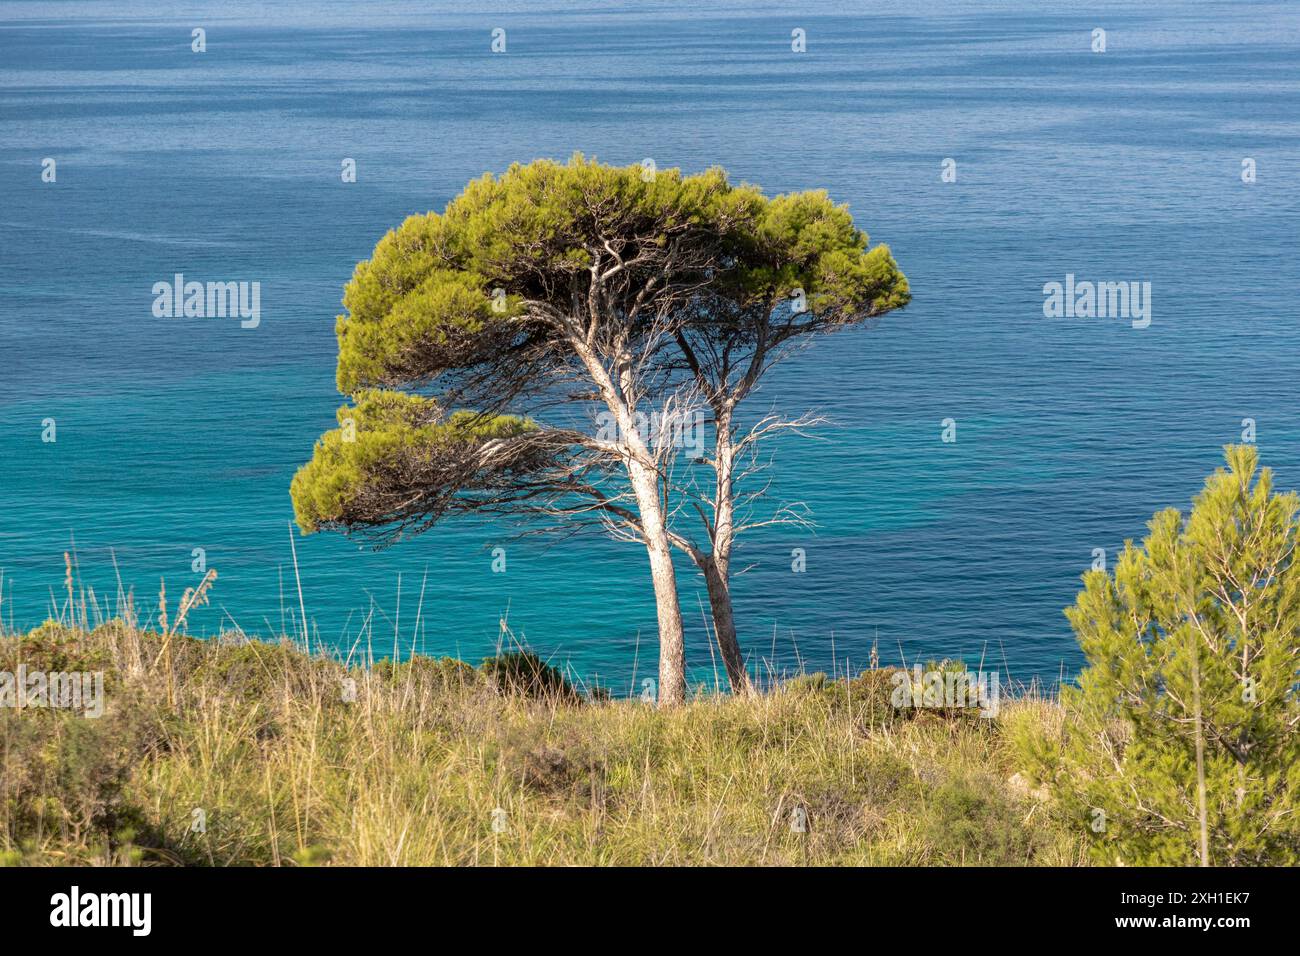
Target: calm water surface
<point x="178" y="434"/>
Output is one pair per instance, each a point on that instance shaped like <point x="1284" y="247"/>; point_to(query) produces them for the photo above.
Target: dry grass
<point x="435" y="762"/>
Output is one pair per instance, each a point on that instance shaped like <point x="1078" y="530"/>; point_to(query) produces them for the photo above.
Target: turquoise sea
<point x="176" y="434"/>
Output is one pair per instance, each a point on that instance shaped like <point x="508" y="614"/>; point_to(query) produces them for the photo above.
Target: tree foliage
<point x="397" y="462"/>
<point x="479" y="344"/>
<point x="586" y="257"/>
<point x="1193" y="647"/>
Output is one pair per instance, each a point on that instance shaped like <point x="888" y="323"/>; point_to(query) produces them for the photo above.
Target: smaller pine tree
<point x="1182" y="739"/>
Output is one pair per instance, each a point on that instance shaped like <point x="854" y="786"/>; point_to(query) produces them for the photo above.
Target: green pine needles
<point x="482" y="345"/>
<point x="1180" y="746"/>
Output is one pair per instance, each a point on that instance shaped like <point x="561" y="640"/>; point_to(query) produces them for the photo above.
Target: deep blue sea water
<point x="1126" y="165"/>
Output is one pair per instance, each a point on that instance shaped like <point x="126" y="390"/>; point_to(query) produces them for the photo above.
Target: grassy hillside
<point x="437" y="762"/>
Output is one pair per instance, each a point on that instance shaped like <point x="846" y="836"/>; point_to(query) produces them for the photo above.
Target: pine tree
<point x="1182" y="743"/>
<point x="482" y="346"/>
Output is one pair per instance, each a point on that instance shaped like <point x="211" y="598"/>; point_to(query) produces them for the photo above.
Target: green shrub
<point x="62" y="776"/>
<point x="53" y="647"/>
<point x="255" y="670"/>
<point x="438" y="672"/>
<point x="524" y="674"/>
<point x="1181" y="744"/>
<point x="965" y="823"/>
<point x="875" y="691"/>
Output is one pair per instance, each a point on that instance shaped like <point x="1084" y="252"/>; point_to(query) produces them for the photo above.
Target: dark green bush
<point x="524" y="674"/>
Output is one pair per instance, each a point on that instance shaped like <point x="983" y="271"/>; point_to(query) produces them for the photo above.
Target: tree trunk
<point x="1200" y="752"/>
<point x="724" y="628"/>
<point x="618" y="396"/>
<point x="672" y="648"/>
<point x="717" y="566"/>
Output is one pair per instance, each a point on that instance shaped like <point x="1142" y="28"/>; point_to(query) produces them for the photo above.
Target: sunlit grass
<point x="435" y="762"/>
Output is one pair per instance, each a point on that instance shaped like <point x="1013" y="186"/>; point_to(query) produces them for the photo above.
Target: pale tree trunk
<point x="644" y="479"/>
<point x="672" y="648"/>
<point x="717" y="567"/>
<point x="1200" y="753"/>
<point x="724" y="627"/>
